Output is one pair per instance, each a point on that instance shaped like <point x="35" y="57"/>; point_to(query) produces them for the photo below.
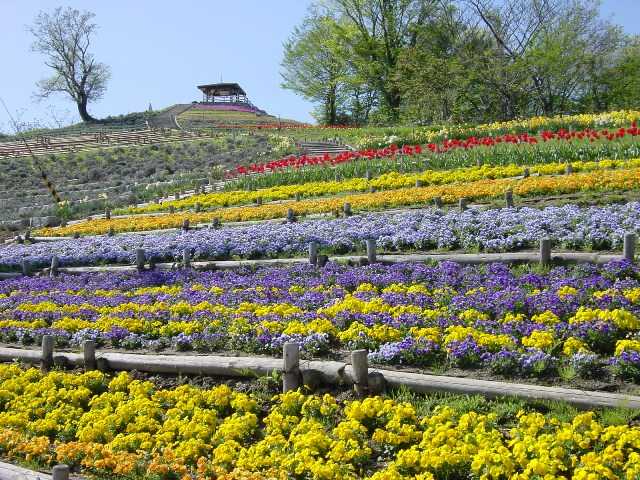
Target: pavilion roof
<point x="222" y="89"/>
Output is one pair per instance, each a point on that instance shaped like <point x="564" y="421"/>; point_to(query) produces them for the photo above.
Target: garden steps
<point x="316" y="149"/>
<point x="332" y="372"/>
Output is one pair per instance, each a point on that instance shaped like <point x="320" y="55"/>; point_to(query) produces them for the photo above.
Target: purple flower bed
<point x="406" y="314"/>
<point x="497" y="230"/>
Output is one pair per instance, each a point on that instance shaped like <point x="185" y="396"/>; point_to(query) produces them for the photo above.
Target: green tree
<point x="313" y="66"/>
<point x="374" y="33"/>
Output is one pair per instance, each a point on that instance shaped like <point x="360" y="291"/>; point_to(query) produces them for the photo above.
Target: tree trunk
<point x="331" y="107"/>
<point x="82" y="110"/>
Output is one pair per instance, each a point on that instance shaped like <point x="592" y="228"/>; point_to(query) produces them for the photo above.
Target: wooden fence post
<point x="291" y="370"/>
<point x="462" y="204"/>
<point x="60" y="472"/>
<point x="525" y="172"/>
<point x="186" y="258"/>
<point x="107" y="214"/>
<point x="140" y="259"/>
<point x="89" y="354"/>
<point x="545" y="251"/>
<point x="371" y="250"/>
<point x="346" y="209"/>
<point x="508" y="198"/>
<point x="291" y="215"/>
<point x="629" y="249"/>
<point x="313" y="253"/>
<point x="47" y="352"/>
<point x="419" y="183"/>
<point x="185" y="225"/>
<point x="55" y="263"/>
<point x="437" y="201"/>
<point x="360" y="365"/>
<point x="26" y="267"/>
<point x="322" y="260"/>
<point x="215" y="223"/>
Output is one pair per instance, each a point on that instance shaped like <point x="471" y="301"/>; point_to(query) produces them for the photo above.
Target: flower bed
<point x="607" y="180"/>
<point x="497" y="230"/>
<point x="387" y="181"/>
<point x="512" y="322"/>
<point x="124" y="428"/>
<point x="447" y="145"/>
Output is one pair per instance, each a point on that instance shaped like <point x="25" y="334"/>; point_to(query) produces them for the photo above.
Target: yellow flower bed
<point x="624" y="179"/>
<point x="388" y="181"/>
<point x="122" y="427"/>
<point x="585" y="120"/>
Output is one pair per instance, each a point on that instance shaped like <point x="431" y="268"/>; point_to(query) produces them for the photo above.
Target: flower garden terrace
<point x="121" y="427"/>
<point x="599" y="180"/>
<point x="387" y="181"/>
<point x="377" y="137"/>
<point x="565" y="324"/>
<point x="494" y="230"/>
<point x="447" y="145"/>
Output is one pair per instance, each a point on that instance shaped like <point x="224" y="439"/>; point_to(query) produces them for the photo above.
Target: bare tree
<point x="64" y="38"/>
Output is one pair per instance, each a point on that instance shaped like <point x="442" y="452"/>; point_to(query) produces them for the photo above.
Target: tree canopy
<point x="433" y="61"/>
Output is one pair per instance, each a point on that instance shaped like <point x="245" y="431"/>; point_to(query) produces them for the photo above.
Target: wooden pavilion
<point x="223" y="93"/>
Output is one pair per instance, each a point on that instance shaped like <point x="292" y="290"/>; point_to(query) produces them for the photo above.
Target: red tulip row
<point x="447" y="145"/>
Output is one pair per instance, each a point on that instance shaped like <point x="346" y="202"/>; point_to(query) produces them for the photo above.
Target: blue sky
<point x="159" y="50"/>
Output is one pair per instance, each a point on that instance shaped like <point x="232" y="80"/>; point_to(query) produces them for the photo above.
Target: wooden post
<point x="291" y="215"/>
<point x="525" y="172"/>
<point x="140" y="259"/>
<point x="371" y="250"/>
<point x="462" y="203"/>
<point x="419" y="183"/>
<point x="186" y="258"/>
<point x="313" y="253"/>
<point x="346" y="209"/>
<point x="26" y="267"/>
<point x="53" y="270"/>
<point x="60" y="472"/>
<point x="360" y="365"/>
<point x="47" y="352"/>
<point x="172" y="209"/>
<point x="185" y="225"/>
<point x="568" y="169"/>
<point x="291" y="370"/>
<point x="322" y="260"/>
<point x="437" y="201"/>
<point x="298" y="196"/>
<point x="89" y="354"/>
<point x="545" y="251"/>
<point x="107" y="214"/>
<point x="629" y="249"/>
<point x="215" y="223"/>
<point x="196" y="207"/>
<point x="508" y="198"/>
<point x="259" y="201"/>
<point x="367" y="174"/>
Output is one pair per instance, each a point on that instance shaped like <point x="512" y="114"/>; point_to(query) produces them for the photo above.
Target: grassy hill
<point x="202" y="118"/>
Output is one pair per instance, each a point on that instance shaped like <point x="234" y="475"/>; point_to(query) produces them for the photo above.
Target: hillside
<point x="220" y="116"/>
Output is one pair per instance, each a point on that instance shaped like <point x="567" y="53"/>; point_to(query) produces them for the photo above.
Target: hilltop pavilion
<point x="223" y="93"/>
